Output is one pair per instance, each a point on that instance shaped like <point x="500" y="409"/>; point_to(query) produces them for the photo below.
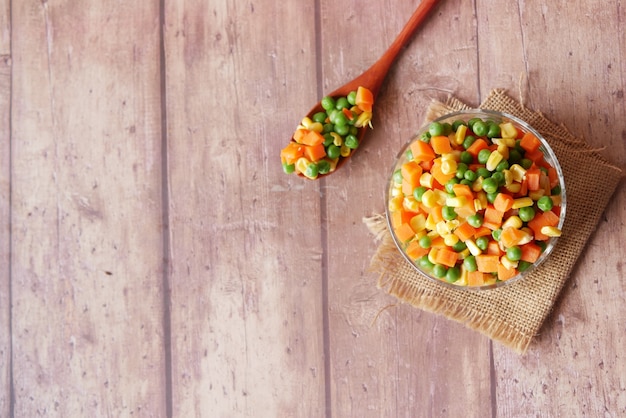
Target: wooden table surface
<point x="156" y="261"/>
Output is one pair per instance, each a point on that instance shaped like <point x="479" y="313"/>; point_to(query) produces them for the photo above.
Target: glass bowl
<point x="429" y="208"/>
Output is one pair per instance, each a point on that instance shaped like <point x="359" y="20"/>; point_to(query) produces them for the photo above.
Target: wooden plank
<point x="576" y="366"/>
<point x="246" y="239"/>
<point x="5" y="209"/>
<point x="86" y="187"/>
<point x="397" y="361"/>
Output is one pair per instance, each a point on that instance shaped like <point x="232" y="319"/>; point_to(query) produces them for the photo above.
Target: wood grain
<point x="246" y="286"/>
<point x="87" y="333"/>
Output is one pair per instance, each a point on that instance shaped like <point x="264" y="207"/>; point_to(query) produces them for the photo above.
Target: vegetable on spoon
<point x="334" y="128"/>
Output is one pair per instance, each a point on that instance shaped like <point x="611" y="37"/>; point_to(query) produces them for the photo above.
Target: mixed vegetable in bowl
<point x="477" y="199"/>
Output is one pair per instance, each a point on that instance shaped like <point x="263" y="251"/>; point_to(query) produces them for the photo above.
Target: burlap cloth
<point x="511" y="315"/>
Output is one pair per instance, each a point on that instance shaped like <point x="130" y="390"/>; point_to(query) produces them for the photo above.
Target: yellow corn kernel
<point x="472" y="247"/>
<point x="513" y="222"/>
<point x="528" y="236"/>
<point x="426" y="180"/>
<point x="454" y="223"/>
<point x="306" y="122"/>
<point x="494" y="159"/>
<point x="395" y="203"/>
<point x="456" y="202"/>
<point x="441" y="197"/>
<point x="301" y="127"/>
<point x="418" y="222"/>
<point x="317" y="127"/>
<point x="508" y="177"/>
<point x="462" y="281"/>
<point x="337" y="139"/>
<point x="411" y="204"/>
<point x="448" y="166"/>
<point x="478" y="205"/>
<point x="522" y="202"/>
<point x="464" y="254"/>
<point x="508" y="263"/>
<point x="364" y="118"/>
<point x="509" y="142"/>
<point x="450" y="239"/>
<point x="430" y="224"/>
<point x="429" y="199"/>
<point x="459" y="136"/>
<point x="454" y="155"/>
<point x="301" y="164"/>
<point x="536" y="194"/>
<point x="396" y="191"/>
<point x="504" y="150"/>
<point x="478" y="184"/>
<point x="344" y="151"/>
<point x="514" y="187"/>
<point x="333" y="164"/>
<point x="442" y="228"/>
<point x="551" y="231"/>
<point x="507" y="130"/>
<point x="518" y="172"/>
<point x="432" y="254"/>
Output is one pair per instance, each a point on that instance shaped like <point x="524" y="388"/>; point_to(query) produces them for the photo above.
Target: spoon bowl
<point x="374" y="76"/>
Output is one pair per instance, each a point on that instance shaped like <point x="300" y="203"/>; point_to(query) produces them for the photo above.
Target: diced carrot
<point x="535" y="156"/>
<point x="477" y="146"/>
<point x="540" y="220"/>
<point x="348" y="113"/>
<point x="446" y="257"/>
<point x="530" y="252"/>
<point x="511" y="236"/>
<point x="415" y="251"/>
<point x="404" y="232"/>
<point x="396" y="218"/>
<point x="291" y="153"/>
<point x="553" y="176"/>
<point x="411" y="172"/>
<point x="407" y="188"/>
<point x="467" y="209"/>
<point x="505" y="273"/>
<point x="299" y="134"/>
<point x="464" y="231"/>
<point x="492" y="217"/>
<point x="407" y="216"/>
<point x="315" y="152"/>
<point x="426" y="165"/>
<point x="487" y="263"/>
<point x="440" y="144"/>
<point x="493" y="248"/>
<point x="364" y="99"/>
<point x="503" y="202"/>
<point x="475" y="278"/>
<point x="482" y="231"/>
<point x="529" y="142"/>
<point x="312" y="138"/>
<point x="422" y="151"/>
<point x="438" y="174"/>
<point x="463" y="190"/>
<point x="533" y="175"/>
<point x="436" y="213"/>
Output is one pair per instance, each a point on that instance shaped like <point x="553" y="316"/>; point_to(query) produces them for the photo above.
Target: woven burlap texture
<point x="511" y="315"/>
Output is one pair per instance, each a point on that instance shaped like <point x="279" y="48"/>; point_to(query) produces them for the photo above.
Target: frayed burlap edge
<point x="399" y="279"/>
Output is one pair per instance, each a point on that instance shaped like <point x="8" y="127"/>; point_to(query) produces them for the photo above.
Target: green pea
<point x="320" y="117"/>
<point x="556" y="190"/>
<point x="483" y="172"/>
<point x="468" y="141"/>
<point x="333" y="151"/>
<point x="461" y="168"/>
<point x="459" y="246"/>
<point x="467" y="182"/>
<point x="342" y="103"/>
<point x="542" y="245"/>
<point x="328" y="128"/>
<point x="470" y="175"/>
<point x="503" y="165"/>
<point x="480" y="128"/>
<point x="342" y="130"/>
<point x="447" y="128"/>
<point x="496" y="234"/>
<point x="328" y="139"/>
<point x="470" y="263"/>
<point x="482" y="242"/>
<point x="328" y="103"/>
<point x="514" y="253"/>
<point x="353" y="129"/>
<point x="351" y="142"/>
<point x="545" y="203"/>
<point x="311" y="171"/>
<point x="526" y="163"/>
<point x="493" y="130"/>
<point x="340" y="119"/>
<point x="483" y="156"/>
<point x="418" y="192"/>
<point x="466" y="157"/>
<point x="456" y="124"/>
<point x="450" y="184"/>
<point x="526" y="214"/>
<point x="523" y="265"/>
<point x="289" y="168"/>
<point x="323" y="167"/>
<point x="453" y="274"/>
<point x="425" y="241"/>
<point x="439" y="271"/>
<point x="425" y="263"/>
<point x="409" y="154"/>
<point x="448" y="213"/>
<point x="475" y="220"/>
<point x="435" y="129"/>
<point x="425" y="137"/>
<point x="499" y="178"/>
<point x="514" y="156"/>
<point x="472" y="121"/>
<point x="491" y="197"/>
<point x="352" y="97"/>
<point x="490" y="185"/>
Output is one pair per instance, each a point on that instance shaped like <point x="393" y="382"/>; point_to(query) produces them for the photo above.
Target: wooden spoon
<point x="374" y="76"/>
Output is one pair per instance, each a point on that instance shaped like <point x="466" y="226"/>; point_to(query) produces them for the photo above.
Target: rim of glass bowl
<point x="500" y="117"/>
